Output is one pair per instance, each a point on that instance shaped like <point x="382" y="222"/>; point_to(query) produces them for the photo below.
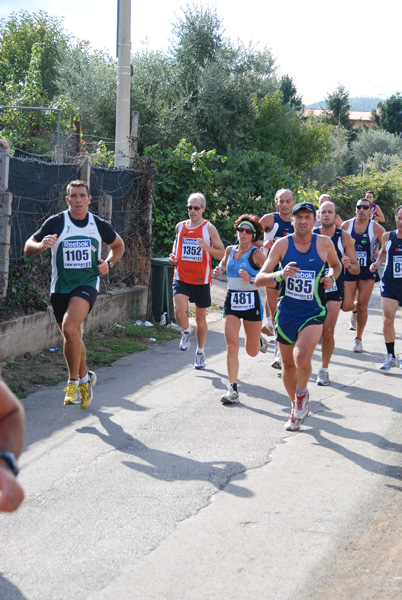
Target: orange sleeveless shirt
<point x="193" y="264"/>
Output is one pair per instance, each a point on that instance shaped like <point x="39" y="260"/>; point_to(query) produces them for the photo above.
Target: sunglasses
<point x="189" y="207"/>
<point x="245" y="230"/>
<point x="363" y="206"/>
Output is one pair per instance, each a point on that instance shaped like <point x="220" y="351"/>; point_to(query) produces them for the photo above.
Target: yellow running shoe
<point x="87" y="391"/>
<point x="71" y="390"/>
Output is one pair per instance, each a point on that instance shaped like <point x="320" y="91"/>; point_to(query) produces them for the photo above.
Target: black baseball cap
<point x="304" y="206"/>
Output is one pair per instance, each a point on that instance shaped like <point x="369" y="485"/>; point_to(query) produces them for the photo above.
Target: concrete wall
<point x="39" y="332"/>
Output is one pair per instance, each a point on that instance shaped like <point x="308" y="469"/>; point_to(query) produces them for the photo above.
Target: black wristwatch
<point x="10" y="459"/>
<point x="252" y="279"/>
<point x="110" y="263"/>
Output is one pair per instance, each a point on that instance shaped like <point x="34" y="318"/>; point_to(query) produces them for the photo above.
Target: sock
<point x="234" y="386"/>
<point x="391" y="348"/>
<point x="84" y="379"/>
<point x="324" y="369"/>
<point x="299" y="391"/>
<point x="200" y="350"/>
<point x="73" y="381"/>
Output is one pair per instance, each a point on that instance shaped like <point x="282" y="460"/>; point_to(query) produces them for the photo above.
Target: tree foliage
<point x="386" y="185"/>
<point x="278" y="129"/>
<point x="338" y="108"/>
<point x="336" y="163"/>
<point x="89" y="80"/>
<point x="375" y="141"/>
<point x="244" y="181"/>
<point x="19" y="34"/>
<point x="289" y="92"/>
<point x="389" y="117"/>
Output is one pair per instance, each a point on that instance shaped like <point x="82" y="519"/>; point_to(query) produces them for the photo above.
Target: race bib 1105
<point x="77" y="254"/>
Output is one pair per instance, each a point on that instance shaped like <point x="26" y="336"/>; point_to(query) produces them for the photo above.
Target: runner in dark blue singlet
<point x="367" y="236"/>
<point x="276" y="226"/>
<point x="301" y="307"/>
<point x="345" y="251"/>
<point x="391" y="286"/>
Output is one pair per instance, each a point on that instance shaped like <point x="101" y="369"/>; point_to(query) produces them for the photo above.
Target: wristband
<point x="278" y="276"/>
<point x="347" y="268"/>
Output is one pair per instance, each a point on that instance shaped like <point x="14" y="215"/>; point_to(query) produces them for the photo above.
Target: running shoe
<point x="263" y="345"/>
<point x="302" y="405"/>
<point x="292" y="423"/>
<point x="277" y="362"/>
<point x="322" y="376"/>
<point x="358" y="345"/>
<point x="230" y="397"/>
<point x="185" y="339"/>
<point x="353" y="323"/>
<point x="199" y="362"/>
<point x="87" y="391"/>
<point x="268" y="328"/>
<point x="71" y="396"/>
<point x="390" y="361"/>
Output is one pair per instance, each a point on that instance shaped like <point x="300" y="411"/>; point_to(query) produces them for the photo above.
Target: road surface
<point x="157" y="491"/>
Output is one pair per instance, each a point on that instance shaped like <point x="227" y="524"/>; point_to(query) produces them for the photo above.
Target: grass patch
<point x="103" y="347"/>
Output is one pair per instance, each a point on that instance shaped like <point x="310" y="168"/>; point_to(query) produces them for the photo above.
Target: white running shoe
<point x="322" y="376"/>
<point x="390" y="361"/>
<point x="277" y="362"/>
<point x="302" y="405"/>
<point x="199" y="362"/>
<point x="353" y="323"/>
<point x="230" y="396"/>
<point x="185" y="339"/>
<point x="358" y="345"/>
<point x="292" y="423"/>
<point x="263" y="345"/>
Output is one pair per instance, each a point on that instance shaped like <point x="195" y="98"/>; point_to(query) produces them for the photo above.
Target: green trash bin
<point x="160" y="293"/>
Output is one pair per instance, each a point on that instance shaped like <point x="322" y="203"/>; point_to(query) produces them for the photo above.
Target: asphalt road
<point x="157" y="491"/>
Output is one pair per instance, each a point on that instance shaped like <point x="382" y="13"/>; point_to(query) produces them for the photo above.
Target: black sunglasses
<point x="363" y="206"/>
<point x="189" y="207"/>
<point x="245" y="230"/>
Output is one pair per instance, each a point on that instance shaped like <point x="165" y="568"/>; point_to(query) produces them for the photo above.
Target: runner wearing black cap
<point x="301" y="307"/>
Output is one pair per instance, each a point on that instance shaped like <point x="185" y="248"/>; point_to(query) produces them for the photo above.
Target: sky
<point x="321" y="45"/>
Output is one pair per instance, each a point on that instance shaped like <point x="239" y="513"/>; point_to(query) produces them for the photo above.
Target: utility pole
<point x="123" y="83"/>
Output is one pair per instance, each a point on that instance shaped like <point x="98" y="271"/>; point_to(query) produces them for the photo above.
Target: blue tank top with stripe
<point x="303" y="294"/>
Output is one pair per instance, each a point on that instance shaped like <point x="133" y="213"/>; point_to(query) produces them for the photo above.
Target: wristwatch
<point x="10" y="459"/>
<point x="110" y="263"/>
<point x="252" y="279"/>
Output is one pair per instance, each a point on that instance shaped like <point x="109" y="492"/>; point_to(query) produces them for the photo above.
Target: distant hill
<point x="362" y="103"/>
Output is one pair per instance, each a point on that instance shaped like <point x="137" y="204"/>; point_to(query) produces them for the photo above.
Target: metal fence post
<point x="85" y="170"/>
<point x="4" y="167"/>
<point x="5" y="235"/>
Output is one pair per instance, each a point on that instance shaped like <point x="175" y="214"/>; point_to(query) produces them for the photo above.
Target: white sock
<point x="200" y="350"/>
<point x="84" y="379"/>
